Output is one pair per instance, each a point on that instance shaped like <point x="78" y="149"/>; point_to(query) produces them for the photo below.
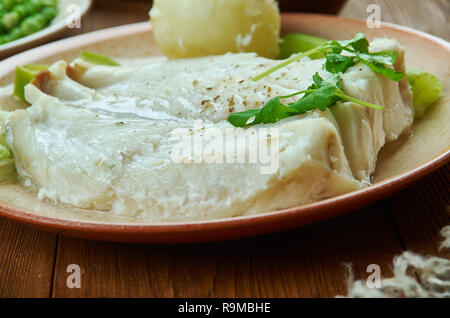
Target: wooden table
<point x="307" y="262"/>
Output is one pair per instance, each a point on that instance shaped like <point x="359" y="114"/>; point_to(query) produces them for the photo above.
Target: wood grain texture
<point x="26" y="261"/>
<point x="421" y="212"/>
<point x="303" y="263"/>
<point x="306" y="262"/>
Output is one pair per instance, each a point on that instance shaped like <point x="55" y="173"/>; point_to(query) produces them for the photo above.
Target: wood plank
<point x="27" y="257"/>
<point x="108" y="269"/>
<point x="306" y="262"/>
<point x="421" y="212"/>
<point x="107" y="13"/>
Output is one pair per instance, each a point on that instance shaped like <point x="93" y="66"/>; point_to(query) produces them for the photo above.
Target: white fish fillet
<point x="95" y="161"/>
<point x="210" y="88"/>
<point x="103" y="140"/>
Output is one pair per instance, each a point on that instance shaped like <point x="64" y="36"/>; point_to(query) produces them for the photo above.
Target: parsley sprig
<point x="358" y="49"/>
<point x="322" y="94"/>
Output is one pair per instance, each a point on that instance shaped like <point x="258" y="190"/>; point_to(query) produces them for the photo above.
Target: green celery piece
<point x="98" y="59"/>
<point x="293" y="43"/>
<point x="8" y="171"/>
<point x="7" y="165"/>
<point x="24" y="75"/>
<point x="4" y="153"/>
<point x="3" y="116"/>
<point x="426" y="88"/>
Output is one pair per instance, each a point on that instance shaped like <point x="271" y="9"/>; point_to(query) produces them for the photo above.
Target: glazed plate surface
<point x="400" y="164"/>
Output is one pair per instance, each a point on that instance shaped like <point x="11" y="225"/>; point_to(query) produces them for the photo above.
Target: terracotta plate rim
<point x="378" y="190"/>
<point x="316" y="211"/>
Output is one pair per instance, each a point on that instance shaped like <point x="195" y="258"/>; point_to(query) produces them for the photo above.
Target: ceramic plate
<point x="57" y="26"/>
<point x="400" y="163"/>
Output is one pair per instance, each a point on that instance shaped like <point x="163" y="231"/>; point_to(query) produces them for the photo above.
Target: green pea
<point x="7" y="38"/>
<point x="30" y="25"/>
<point x="22" y="10"/>
<point x="19" y="18"/>
<point x="49" y="13"/>
<point x="10" y="20"/>
<point x="8" y="4"/>
<point x="15" y="34"/>
<point x="2" y="29"/>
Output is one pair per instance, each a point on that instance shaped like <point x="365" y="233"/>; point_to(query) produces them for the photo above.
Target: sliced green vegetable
<point x="98" y="59"/>
<point x="7" y="165"/>
<point x="4" y="153"/>
<point x="294" y="43"/>
<point x="24" y="75"/>
<point x="426" y="89"/>
<point x="8" y="171"/>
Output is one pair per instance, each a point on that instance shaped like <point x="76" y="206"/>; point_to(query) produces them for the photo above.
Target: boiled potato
<point x="189" y="28"/>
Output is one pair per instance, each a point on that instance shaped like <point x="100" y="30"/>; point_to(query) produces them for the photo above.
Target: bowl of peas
<point x="26" y="23"/>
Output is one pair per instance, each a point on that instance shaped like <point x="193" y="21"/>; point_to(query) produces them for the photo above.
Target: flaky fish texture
<point x="102" y="137"/>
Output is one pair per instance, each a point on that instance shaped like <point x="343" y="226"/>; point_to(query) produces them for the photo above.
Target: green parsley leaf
<point x="384" y="57"/>
<point x="322" y="98"/>
<point x="383" y="70"/>
<point x="322" y="94"/>
<point x="272" y="112"/>
<point x="359" y="43"/>
<point x="338" y="63"/>
<point x="275" y="110"/>
<point x="242" y="119"/>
